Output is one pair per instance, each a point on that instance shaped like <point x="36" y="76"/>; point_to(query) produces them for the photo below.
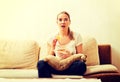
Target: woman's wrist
<point x="52" y="51"/>
<point x="84" y="58"/>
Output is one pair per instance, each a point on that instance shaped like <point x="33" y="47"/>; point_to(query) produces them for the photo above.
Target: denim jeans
<point x="46" y="71"/>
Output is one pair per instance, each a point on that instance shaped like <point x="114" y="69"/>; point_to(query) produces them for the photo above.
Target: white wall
<point x="36" y="19"/>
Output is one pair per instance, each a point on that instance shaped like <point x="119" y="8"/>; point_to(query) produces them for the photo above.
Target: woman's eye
<point x="66" y="19"/>
<point x="60" y="19"/>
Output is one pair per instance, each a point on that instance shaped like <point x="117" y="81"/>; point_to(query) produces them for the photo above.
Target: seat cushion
<point x="90" y="48"/>
<point x="18" y="73"/>
<point x="106" y="68"/>
<point x="18" y="54"/>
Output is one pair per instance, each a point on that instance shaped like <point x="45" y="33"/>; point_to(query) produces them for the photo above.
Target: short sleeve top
<point x="70" y="46"/>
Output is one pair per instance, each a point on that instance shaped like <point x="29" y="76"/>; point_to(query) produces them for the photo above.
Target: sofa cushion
<point x="90" y="48"/>
<point x="18" y="54"/>
<point x="18" y="73"/>
<point x="101" y="69"/>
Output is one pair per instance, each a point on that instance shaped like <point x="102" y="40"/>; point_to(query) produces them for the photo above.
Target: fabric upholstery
<point x="18" y="73"/>
<point x="106" y="68"/>
<point x="90" y="48"/>
<point x="61" y="64"/>
<point x="105" y="49"/>
<point x="18" y="54"/>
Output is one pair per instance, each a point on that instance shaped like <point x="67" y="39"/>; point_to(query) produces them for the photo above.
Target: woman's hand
<point x="63" y="54"/>
<point x="51" y="47"/>
<point x="83" y="57"/>
<point x="55" y="40"/>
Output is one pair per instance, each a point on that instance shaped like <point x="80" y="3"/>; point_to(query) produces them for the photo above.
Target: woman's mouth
<point x="63" y="26"/>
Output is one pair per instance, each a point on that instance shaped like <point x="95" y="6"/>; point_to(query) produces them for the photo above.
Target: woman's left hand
<point x="63" y="54"/>
<point x="83" y="57"/>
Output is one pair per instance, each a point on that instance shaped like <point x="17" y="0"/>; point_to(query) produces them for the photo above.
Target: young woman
<point x="65" y="51"/>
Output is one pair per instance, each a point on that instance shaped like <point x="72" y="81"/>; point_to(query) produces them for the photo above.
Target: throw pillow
<point x="61" y="64"/>
<point x="90" y="48"/>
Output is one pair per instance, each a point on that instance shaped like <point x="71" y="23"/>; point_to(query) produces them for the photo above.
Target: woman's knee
<point x="82" y="66"/>
<point x="43" y="69"/>
<point x="40" y="64"/>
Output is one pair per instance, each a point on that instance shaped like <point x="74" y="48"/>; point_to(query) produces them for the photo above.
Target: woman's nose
<point x="63" y="21"/>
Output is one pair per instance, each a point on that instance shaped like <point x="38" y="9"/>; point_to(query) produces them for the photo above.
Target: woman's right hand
<point x="51" y="47"/>
<point x="55" y="40"/>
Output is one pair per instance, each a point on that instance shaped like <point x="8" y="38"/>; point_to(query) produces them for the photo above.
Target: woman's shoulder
<point x="76" y="34"/>
<point x="77" y="38"/>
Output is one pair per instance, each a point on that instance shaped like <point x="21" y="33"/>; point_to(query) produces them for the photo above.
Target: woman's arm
<point x="50" y="50"/>
<point x="79" y="50"/>
<point x="51" y="47"/>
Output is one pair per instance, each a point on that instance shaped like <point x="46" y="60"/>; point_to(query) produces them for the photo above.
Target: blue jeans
<point x="45" y="70"/>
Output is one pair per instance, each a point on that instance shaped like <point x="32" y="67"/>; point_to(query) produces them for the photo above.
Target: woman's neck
<point x="63" y="33"/>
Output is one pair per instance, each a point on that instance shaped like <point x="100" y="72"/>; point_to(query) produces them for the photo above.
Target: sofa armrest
<point x="104" y="53"/>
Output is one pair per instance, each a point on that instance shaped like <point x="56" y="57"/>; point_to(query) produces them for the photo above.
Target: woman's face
<point x="63" y="21"/>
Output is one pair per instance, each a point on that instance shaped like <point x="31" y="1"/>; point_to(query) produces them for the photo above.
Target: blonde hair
<point x="70" y="33"/>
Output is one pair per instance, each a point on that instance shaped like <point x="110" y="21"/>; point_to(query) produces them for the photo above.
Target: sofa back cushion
<point x="90" y="48"/>
<point x="18" y="54"/>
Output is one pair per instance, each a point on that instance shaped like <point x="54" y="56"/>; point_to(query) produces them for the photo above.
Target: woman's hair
<point x="70" y="33"/>
<point x="64" y="12"/>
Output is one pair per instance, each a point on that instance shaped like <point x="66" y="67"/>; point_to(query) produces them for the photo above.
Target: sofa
<point x="18" y="59"/>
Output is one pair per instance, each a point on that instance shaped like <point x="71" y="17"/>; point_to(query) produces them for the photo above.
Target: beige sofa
<point x="18" y="59"/>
